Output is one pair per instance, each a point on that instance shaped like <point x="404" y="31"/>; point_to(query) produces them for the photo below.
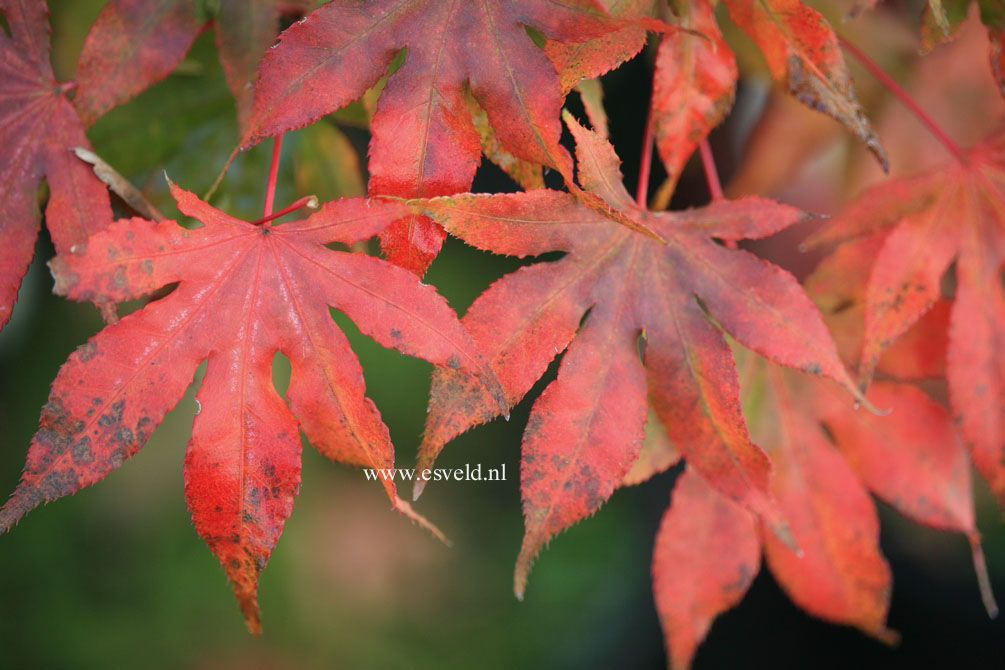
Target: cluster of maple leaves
<point x="777" y="455"/>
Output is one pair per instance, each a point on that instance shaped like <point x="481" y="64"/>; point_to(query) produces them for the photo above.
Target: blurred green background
<point x="116" y="575"/>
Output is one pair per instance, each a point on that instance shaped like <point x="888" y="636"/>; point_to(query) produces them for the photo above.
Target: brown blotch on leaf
<point x="82" y="451"/>
<point x="57" y="484"/>
<point x="86" y="351"/>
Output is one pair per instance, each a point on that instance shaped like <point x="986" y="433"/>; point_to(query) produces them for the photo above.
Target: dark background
<point x="116" y="575"/>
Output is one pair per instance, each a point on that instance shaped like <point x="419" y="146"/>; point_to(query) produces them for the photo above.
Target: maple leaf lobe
<point x="131" y="45"/>
<point x="37" y="128"/>
<point x="706" y="555"/>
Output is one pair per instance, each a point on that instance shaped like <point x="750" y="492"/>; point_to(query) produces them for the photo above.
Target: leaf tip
<point x="19" y="504"/>
<point x="406" y="509"/>
<point x="428" y="451"/>
<point x="780" y="528"/>
<point x="880" y="153"/>
<point x="887" y="636"/>
<point x="8" y="519"/>
<point x="860" y="400"/>
<point x="528" y="552"/>
<point x="253" y="619"/>
<point x="983" y="579"/>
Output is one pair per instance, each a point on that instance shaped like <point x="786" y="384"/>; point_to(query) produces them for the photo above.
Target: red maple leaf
<point x="38" y="126"/>
<point x="708" y="548"/>
<point x="246" y="291"/>
<point x="585" y="430"/>
<point x="424" y="142"/>
<point x="131" y="45"/>
<point x="928" y="222"/>
<point x="802" y="52"/>
<point x="826" y="455"/>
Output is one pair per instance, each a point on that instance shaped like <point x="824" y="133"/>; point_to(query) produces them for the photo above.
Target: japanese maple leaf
<point x="826" y="455"/>
<point x="37" y="128"/>
<point x="132" y="44"/>
<point x="246" y="291"/>
<point x="839" y="573"/>
<point x="802" y="53"/>
<point x="424" y="142"/>
<point x="708" y="548"/>
<point x="694" y="81"/>
<point x="953" y="214"/>
<point x="585" y="430"/>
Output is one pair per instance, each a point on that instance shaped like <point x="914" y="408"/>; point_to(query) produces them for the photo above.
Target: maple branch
<point x="711" y="174"/>
<point x="270" y="190"/>
<point x="219" y="178"/>
<point x="310" y="201"/>
<point x="645" y="162"/>
<point x="905" y="98"/>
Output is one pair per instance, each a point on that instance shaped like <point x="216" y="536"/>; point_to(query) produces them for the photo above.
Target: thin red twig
<point x="905" y="98"/>
<point x="646" y="161"/>
<point x="712" y="178"/>
<point x="270" y="192"/>
<point x="306" y="201"/>
<point x="711" y="174"/>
